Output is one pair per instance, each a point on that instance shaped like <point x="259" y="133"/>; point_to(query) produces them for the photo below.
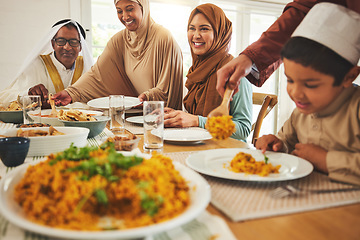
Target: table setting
<point x="205" y="221"/>
<point x="223" y="201"/>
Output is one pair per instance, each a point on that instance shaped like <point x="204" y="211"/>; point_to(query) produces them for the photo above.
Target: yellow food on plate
<point x="245" y="163"/>
<point x="220" y="127"/>
<point x="98" y="189"/>
<point x="14" y="106"/>
<point x="74" y="115"/>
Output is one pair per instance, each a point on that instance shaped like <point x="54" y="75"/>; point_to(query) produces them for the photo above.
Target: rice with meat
<point x="97" y="188"/>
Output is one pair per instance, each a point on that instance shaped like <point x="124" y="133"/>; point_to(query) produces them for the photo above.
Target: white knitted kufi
<point x="335" y="27"/>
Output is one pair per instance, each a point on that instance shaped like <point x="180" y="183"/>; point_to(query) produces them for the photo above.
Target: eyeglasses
<point x="63" y="41"/>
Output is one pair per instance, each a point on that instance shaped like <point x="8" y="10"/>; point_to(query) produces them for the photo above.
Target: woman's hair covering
<point x="138" y="41"/>
<point x="67" y="20"/>
<point x="201" y="78"/>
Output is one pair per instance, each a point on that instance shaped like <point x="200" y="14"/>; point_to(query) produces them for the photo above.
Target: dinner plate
<point x="54" y="121"/>
<point x="42" y="146"/>
<point x="103" y="102"/>
<point x="186" y="135"/>
<point x="136" y="119"/>
<point x="199" y="195"/>
<point x="216" y="162"/>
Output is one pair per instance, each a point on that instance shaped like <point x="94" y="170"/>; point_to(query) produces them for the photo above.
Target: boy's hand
<point x="313" y="153"/>
<point x="269" y="142"/>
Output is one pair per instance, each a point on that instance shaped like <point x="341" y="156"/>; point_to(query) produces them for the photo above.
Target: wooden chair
<point x="267" y="102"/>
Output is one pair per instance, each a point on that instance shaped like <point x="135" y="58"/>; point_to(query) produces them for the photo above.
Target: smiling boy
<point x="320" y="63"/>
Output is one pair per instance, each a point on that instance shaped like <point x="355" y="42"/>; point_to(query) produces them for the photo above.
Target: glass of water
<point x="31" y="105"/>
<point x="153" y="125"/>
<point x="117" y="114"/>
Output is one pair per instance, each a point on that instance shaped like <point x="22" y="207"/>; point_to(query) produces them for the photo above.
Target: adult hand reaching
<point x="40" y="90"/>
<point x="232" y="73"/>
<point x="62" y="98"/>
<point x="142" y="97"/>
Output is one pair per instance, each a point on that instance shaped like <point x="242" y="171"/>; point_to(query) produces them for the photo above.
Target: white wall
<point x="22" y="24"/>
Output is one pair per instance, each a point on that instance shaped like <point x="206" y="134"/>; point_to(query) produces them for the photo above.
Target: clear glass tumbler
<point x="153" y="125"/>
<point x="31" y="105"/>
<point x="117" y="114"/>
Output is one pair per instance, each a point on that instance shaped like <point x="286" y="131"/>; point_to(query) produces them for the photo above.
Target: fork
<point x="288" y="190"/>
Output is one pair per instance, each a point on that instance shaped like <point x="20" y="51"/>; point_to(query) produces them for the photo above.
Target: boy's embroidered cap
<point x="334" y="26"/>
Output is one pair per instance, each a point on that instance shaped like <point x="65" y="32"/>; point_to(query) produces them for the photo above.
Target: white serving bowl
<point x="43" y="146"/>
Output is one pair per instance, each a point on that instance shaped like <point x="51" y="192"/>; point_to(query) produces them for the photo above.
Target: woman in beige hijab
<point x="209" y="35"/>
<point x="143" y="61"/>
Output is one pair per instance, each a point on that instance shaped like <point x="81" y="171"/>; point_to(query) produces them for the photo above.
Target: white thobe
<point x="35" y="74"/>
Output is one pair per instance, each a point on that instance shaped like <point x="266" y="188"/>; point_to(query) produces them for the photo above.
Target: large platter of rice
<point x="74" y="204"/>
<point x="217" y="163"/>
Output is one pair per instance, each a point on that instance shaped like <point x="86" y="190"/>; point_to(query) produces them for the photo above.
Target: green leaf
<point x="101" y="196"/>
<point x="266" y="159"/>
<point x="150" y="205"/>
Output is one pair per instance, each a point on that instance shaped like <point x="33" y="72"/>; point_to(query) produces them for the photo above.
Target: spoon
<point x="223" y="109"/>
<point x="52" y="104"/>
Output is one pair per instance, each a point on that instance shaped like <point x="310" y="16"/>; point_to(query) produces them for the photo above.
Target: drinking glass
<point x="153" y="125"/>
<point x="117" y="114"/>
<point x="31" y="105"/>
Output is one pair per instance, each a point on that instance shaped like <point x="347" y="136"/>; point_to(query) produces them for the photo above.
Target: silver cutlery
<point x="288" y="190"/>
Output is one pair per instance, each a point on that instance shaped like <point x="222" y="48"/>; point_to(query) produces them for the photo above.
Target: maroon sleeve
<point x="265" y="52"/>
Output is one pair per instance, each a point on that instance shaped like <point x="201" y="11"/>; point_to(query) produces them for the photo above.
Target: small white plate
<point x="216" y="162"/>
<point x="42" y="146"/>
<point x="186" y="135"/>
<point x="103" y="102"/>
<point x="200" y="194"/>
<point x="136" y="119"/>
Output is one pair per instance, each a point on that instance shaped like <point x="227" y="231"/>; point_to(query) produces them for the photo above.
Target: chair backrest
<point x="267" y="102"/>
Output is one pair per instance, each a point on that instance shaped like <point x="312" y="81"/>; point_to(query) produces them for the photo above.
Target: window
<point x="249" y="18"/>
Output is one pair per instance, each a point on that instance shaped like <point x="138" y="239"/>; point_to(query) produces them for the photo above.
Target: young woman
<point x="142" y="60"/>
<point x="209" y="35"/>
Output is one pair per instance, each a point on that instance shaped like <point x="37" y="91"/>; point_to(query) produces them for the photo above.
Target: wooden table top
<point x="332" y="223"/>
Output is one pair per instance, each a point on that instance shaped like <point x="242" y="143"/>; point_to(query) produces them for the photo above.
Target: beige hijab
<point x="152" y="47"/>
<point x="202" y="96"/>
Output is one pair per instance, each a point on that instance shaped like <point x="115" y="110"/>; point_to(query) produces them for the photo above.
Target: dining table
<point x="338" y="222"/>
<point x="249" y="213"/>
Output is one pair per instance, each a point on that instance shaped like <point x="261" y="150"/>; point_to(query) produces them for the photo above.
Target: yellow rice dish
<point x="99" y="189"/>
<point x="245" y="163"/>
<point x="220" y="127"/>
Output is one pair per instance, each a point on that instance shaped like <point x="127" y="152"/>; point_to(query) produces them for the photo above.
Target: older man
<point x="51" y="69"/>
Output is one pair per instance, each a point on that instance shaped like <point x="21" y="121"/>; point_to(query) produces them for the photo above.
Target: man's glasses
<point x="63" y="41"/>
